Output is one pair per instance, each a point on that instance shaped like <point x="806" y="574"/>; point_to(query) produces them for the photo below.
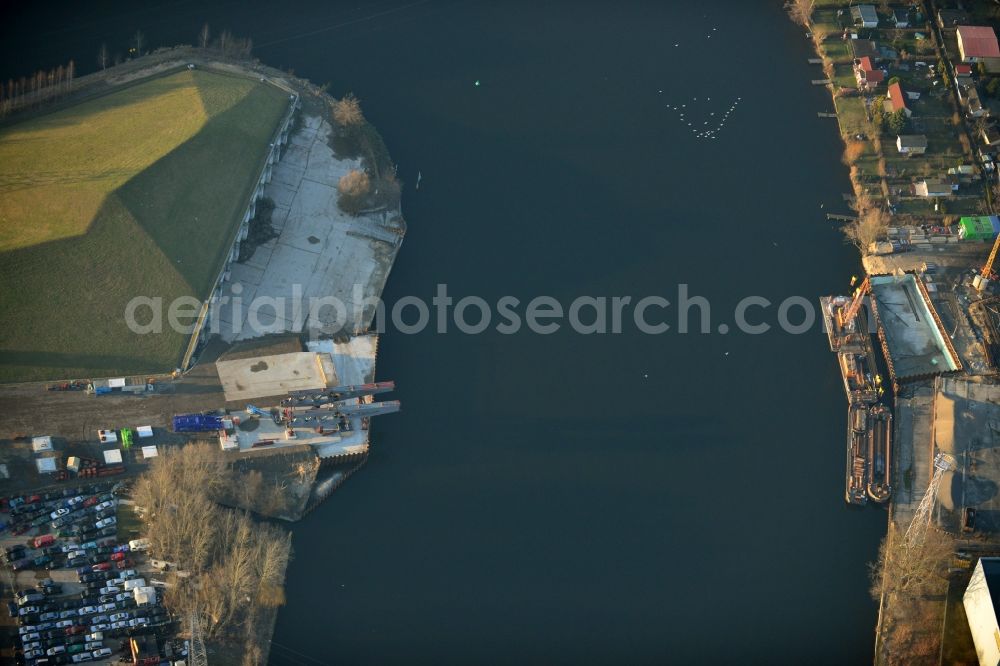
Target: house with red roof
<point x="866" y="74"/>
<point x="896" y="100"/>
<point x="977" y="43"/>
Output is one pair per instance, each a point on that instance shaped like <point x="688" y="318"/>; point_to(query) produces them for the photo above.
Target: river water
<point x="572" y="498"/>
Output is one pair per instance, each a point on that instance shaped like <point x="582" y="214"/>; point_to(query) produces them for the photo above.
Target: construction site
<point x="283" y="408"/>
<point x="916" y="347"/>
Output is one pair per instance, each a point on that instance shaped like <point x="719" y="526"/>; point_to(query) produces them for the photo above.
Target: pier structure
<point x="335" y="429"/>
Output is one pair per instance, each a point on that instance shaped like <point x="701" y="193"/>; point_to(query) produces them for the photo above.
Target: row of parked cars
<point x="57" y="625"/>
<point x="56" y="509"/>
<point x="72" y="629"/>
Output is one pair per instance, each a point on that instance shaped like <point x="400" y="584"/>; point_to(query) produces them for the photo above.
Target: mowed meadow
<point x="137" y="192"/>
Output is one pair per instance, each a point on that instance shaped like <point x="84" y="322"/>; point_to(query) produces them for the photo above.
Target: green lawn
<point x="851" y="115"/>
<point x="138" y="192"/>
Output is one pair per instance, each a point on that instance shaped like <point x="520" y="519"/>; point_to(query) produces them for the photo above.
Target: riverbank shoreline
<point x="309" y="223"/>
<point x="898" y="230"/>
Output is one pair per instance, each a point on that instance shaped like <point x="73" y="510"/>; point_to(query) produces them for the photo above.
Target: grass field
<point x="138" y="192"/>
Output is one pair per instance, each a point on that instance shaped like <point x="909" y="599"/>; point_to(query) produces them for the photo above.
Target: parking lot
<point x="73" y="591"/>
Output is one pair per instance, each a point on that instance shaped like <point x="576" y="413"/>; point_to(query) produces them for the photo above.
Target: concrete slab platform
<point x="321" y="251"/>
<point x="263" y="376"/>
<point x="353" y="359"/>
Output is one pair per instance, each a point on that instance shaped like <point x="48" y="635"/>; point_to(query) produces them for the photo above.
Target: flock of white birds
<point x="709" y="129"/>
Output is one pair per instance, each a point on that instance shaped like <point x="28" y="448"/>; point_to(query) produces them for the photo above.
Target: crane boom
<point x="988" y="266"/>
<point x="859" y="296"/>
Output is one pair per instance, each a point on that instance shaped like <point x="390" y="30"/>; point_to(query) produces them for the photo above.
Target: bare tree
<point x="103" y="56"/>
<point x="801" y="11"/>
<point x="233" y="565"/>
<point x="347" y="111"/>
<point x="354" y="183"/>
<point x="138" y="41"/>
<point x="204" y="35"/>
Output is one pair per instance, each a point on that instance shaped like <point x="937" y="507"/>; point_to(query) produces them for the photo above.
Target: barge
<point x="879" y="453"/>
<point x="869" y="423"/>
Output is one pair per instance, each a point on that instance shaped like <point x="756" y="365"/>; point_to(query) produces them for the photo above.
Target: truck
<point x="197" y="423"/>
<point x="132" y="385"/>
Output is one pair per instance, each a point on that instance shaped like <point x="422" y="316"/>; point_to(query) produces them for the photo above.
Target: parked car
<point x="23" y="563"/>
<point x="58" y="649"/>
<point x="103" y="566"/>
<point x="100" y="627"/>
<point x="87" y="610"/>
<point x="76" y="629"/>
<point x="29" y="597"/>
<point x="101" y="653"/>
<point x="59" y="513"/>
<point x="62" y="624"/>
<point x="111" y="589"/>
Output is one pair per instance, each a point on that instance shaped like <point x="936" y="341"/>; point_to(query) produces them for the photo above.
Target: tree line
<point x="233" y="566"/>
<point x="30" y="91"/>
<point x="46" y="85"/>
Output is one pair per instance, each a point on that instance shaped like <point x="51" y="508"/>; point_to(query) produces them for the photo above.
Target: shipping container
<point x="197" y="423"/>
<point x="983" y="227"/>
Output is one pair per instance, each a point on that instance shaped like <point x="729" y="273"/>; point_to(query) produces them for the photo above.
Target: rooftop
<point x="912" y="140"/>
<point x="966" y="417"/>
<point x="978" y="41"/>
<point x="897" y="97"/>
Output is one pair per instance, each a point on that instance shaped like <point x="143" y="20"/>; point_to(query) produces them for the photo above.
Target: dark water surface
<point x="570" y="498"/>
